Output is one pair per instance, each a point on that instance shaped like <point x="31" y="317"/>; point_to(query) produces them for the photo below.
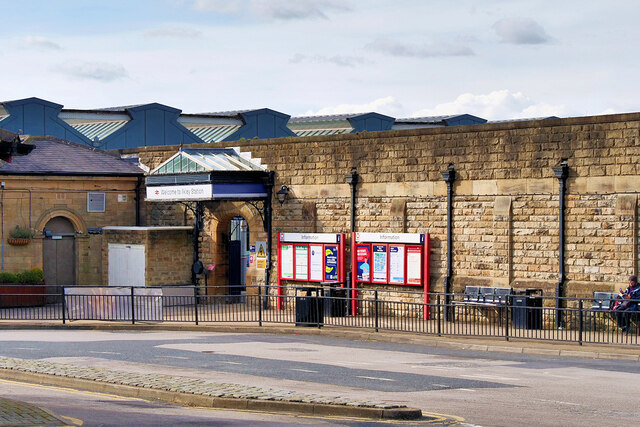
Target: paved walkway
<point x="198" y="392"/>
<point x="14" y="413"/>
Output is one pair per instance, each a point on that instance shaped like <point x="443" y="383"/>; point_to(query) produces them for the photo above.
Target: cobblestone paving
<point x="180" y="384"/>
<point x="14" y="413"/>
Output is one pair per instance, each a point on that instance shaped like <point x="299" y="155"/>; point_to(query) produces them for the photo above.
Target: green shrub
<point x="6" y="277"/>
<point x="20" y="233"/>
<point x="31" y="276"/>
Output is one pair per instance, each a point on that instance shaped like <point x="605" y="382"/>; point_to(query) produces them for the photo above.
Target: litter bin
<point x="309" y="309"/>
<point x="335" y="300"/>
<point x="526" y="308"/>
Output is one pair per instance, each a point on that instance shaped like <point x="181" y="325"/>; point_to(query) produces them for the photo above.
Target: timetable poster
<point x="380" y="263"/>
<point x="286" y="261"/>
<point x="315" y="263"/>
<point x="302" y="262"/>
<point x="396" y="264"/>
<point x="363" y="263"/>
<point x="414" y="265"/>
<point x="331" y="263"/>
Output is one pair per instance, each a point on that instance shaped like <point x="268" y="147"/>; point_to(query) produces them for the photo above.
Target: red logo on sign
<point x="157" y="192"/>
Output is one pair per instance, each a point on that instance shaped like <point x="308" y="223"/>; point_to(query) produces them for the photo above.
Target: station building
<point x="550" y="204"/>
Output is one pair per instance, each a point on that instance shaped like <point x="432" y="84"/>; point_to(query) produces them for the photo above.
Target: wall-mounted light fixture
<point x="282" y="194"/>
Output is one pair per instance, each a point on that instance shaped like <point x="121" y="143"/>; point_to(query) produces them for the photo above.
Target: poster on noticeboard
<point x="380" y="264"/>
<point x="414" y="265"/>
<point x="315" y="263"/>
<point x="331" y="263"/>
<point x="396" y="264"/>
<point x="302" y="262"/>
<point x="363" y="263"/>
<point x="286" y="259"/>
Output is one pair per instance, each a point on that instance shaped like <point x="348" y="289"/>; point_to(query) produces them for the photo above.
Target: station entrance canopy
<point x="199" y="174"/>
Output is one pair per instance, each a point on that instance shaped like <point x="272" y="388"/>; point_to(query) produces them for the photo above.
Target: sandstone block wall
<point x="506" y="195"/>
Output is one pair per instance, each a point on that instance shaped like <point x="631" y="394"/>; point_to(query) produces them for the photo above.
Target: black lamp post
<point x="449" y="177"/>
<point x="562" y="173"/>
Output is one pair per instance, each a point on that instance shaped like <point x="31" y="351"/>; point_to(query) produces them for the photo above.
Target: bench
<point x="486" y="297"/>
<point x="603" y="301"/>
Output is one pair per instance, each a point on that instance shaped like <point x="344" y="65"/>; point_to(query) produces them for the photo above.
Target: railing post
<point x="580" y="322"/>
<point x="439" y="315"/>
<point x="319" y="294"/>
<point x="64" y="307"/>
<point x="375" y="309"/>
<point x="195" y="300"/>
<point x="133" y="308"/>
<point x="259" y="306"/>
<point x="506" y="319"/>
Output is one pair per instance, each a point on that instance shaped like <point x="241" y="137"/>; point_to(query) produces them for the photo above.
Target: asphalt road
<point x="483" y="388"/>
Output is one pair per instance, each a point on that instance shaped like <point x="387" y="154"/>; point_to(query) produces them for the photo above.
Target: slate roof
<point x="55" y="156"/>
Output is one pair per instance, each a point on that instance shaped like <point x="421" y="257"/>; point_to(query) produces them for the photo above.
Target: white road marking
<point x="232" y="363"/>
<point x="374" y="378"/>
<point x="304" y="370"/>
<point x="25" y="348"/>
<point x="172" y="357"/>
<point x="440" y="385"/>
<point x="490" y="377"/>
<point x="103" y="352"/>
<point x="464" y="389"/>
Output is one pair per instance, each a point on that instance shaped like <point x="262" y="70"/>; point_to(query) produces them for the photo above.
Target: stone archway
<point x="58" y="253"/>
<point x="215" y="245"/>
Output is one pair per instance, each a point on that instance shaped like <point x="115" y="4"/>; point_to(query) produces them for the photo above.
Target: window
<point x="95" y="202"/>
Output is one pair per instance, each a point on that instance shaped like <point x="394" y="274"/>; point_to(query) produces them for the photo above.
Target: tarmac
<point x="204" y="393"/>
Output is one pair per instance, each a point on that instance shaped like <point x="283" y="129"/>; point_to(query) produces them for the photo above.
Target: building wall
<point x="31" y="201"/>
<point x="506" y="195"/>
<point x="168" y="254"/>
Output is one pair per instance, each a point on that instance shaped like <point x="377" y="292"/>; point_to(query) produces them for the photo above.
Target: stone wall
<point x="506" y="199"/>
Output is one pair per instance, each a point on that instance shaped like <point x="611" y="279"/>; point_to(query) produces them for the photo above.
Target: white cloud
<point x="339" y="60"/>
<point x="38" y="43"/>
<point x="173" y="32"/>
<point x="395" y="48"/>
<point x="521" y="31"/>
<point x="96" y="70"/>
<point x="388" y="105"/>
<point x="273" y="9"/>
<point x="497" y="105"/>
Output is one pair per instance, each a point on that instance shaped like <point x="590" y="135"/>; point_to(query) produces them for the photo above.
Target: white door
<point x="126" y="265"/>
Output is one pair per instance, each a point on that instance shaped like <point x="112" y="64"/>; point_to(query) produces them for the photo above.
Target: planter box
<point x="22" y="295"/>
<point x="18" y="241"/>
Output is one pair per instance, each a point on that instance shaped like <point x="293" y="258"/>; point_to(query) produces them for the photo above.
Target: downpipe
<point x="450" y="177"/>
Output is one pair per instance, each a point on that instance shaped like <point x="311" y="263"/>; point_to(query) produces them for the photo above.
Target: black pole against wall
<point x="562" y="173"/>
<point x="268" y="221"/>
<point x="138" y="187"/>
<point x="449" y="176"/>
<point x="352" y="180"/>
<point x="198" y="225"/>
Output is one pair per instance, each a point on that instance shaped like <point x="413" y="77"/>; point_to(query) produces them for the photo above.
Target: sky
<point x="499" y="60"/>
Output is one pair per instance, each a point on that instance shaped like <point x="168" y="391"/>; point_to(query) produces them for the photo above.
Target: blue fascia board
<point x="264" y="123"/>
<point x="151" y="125"/>
<point x="35" y="116"/>
<point x="371" y="122"/>
<point x="463" y="119"/>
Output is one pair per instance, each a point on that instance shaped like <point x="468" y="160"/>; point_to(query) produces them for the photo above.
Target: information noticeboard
<point x="311" y="257"/>
<point x="389" y="258"/>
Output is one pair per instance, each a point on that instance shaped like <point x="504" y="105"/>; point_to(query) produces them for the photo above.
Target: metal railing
<point x="580" y="320"/>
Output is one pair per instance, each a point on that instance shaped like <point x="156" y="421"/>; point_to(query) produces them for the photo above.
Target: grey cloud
<point x="173" y="32"/>
<point x="39" y="43"/>
<point x="521" y="31"/>
<point x="394" y="48"/>
<point x="340" y="60"/>
<point x="100" y="71"/>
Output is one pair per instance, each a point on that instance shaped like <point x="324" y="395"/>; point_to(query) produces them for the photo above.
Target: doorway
<point x="58" y="254"/>
<point x="238" y="255"/>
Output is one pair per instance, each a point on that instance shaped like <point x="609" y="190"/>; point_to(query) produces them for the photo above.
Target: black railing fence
<point x="576" y="320"/>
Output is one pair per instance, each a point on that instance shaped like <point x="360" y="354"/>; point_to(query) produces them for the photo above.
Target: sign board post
<point x="310" y="257"/>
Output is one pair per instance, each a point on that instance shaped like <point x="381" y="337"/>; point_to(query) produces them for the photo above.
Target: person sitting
<point x="630" y="300"/>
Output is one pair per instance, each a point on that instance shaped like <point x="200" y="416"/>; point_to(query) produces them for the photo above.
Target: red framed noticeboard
<point x="394" y="259"/>
<point x="311" y="257"/>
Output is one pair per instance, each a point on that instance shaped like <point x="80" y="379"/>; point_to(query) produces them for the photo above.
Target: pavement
<point x="14" y="413"/>
<point x="198" y="392"/>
